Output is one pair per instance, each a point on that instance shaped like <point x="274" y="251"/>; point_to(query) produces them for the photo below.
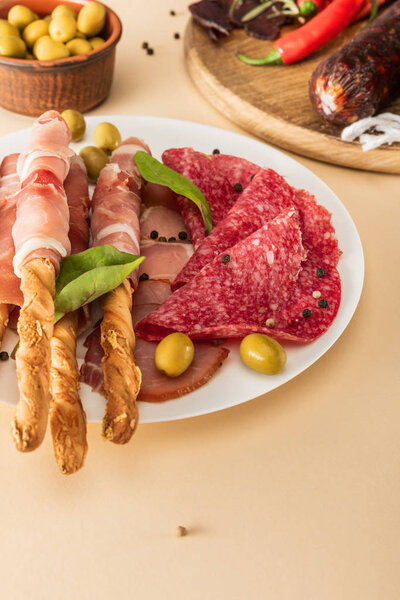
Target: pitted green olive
<point x="12" y="46"/>
<point x="7" y="29"/>
<point x="63" y="10"/>
<point x="91" y="18"/>
<point x="62" y="29"/>
<point x="34" y="31"/>
<point x="48" y="49"/>
<point x="174" y="354"/>
<point x="96" y="42"/>
<point x="94" y="159"/>
<point x="76" y="123"/>
<point x="262" y="353"/>
<point x="78" y="46"/>
<point x="107" y="137"/>
<point x="20" y="16"/>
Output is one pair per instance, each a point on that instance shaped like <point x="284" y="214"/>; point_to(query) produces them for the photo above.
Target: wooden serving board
<point x="272" y="102"/>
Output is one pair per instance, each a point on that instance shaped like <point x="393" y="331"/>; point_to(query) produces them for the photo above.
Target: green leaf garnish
<point x="374" y="10"/>
<point x="155" y="172"/>
<point x="86" y="276"/>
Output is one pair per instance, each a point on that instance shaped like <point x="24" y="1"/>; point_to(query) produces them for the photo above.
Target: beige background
<point x="293" y="496"/>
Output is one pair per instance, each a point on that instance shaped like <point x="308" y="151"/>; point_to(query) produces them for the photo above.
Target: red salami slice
<point x="221" y="178"/>
<point x="234" y="294"/>
<point x="264" y="198"/>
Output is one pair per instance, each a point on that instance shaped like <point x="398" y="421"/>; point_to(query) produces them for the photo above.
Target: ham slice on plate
<point x="221" y="179"/>
<point x="10" y="292"/>
<point x="163" y="260"/>
<point x="164" y="221"/>
<point x="234" y="294"/>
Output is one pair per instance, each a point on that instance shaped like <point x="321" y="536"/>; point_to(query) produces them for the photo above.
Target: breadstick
<point x="122" y="378"/>
<point x="35" y="328"/>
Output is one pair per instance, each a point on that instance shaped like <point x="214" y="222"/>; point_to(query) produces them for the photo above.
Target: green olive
<point x="94" y="159"/>
<point x="7" y="29"/>
<point x="76" y="122"/>
<point x="78" y="46"/>
<point x="107" y="137"/>
<point x="62" y="29"/>
<point x="262" y="353"/>
<point x="91" y="18"/>
<point x="13" y="46"/>
<point x="96" y="42"/>
<point x="34" y="31"/>
<point x="47" y="49"/>
<point x="20" y="16"/>
<point x="63" y="10"/>
<point x="174" y="354"/>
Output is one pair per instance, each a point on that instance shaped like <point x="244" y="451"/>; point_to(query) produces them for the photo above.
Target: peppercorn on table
<point x="293" y="495"/>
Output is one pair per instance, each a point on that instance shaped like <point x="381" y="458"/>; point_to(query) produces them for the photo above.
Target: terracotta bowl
<point x="30" y="87"/>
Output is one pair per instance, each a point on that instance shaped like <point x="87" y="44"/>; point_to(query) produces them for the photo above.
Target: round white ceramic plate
<point x="234" y="383"/>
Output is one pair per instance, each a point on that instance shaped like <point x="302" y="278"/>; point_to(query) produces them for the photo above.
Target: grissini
<point x="40" y="235"/>
<point x="115" y="221"/>
<point x="67" y="417"/>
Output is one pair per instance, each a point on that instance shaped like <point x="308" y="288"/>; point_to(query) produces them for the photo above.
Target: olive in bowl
<point x="57" y="77"/>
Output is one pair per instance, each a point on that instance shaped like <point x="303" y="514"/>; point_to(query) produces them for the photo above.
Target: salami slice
<point x="264" y="198"/>
<point x="221" y="178"/>
<point x="235" y="293"/>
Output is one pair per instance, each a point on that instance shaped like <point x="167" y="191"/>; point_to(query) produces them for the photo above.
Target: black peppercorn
<point x="216" y="151"/>
<point x="321" y="272"/>
<point x="172" y="239"/>
<point x="177" y="36"/>
<point x="307" y="313"/>
<point x="4" y="355"/>
<point x="150" y="51"/>
<point x="182" y="235"/>
<point x="154" y="234"/>
<point x="226" y="258"/>
<point x="162" y="239"/>
<point x="323" y="303"/>
<point x="143" y="277"/>
<point x="145" y="45"/>
<point x="238" y="187"/>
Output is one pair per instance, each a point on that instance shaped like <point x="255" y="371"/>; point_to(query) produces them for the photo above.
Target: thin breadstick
<point x="35" y="328"/>
<point x="4" y="314"/>
<point x="67" y="417"/>
<point x="122" y="378"/>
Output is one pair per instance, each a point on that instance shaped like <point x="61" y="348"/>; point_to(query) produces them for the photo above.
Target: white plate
<point x="234" y="383"/>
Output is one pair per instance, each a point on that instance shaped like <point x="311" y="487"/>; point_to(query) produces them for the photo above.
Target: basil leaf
<point x="86" y="276"/>
<point x="155" y="172"/>
<point x="374" y="10"/>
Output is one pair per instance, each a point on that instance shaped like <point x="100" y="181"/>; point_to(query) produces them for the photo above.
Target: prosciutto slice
<point x="10" y="292"/>
<point x="221" y="178"/>
<point x="76" y="187"/>
<point x="163" y="260"/>
<point x="116" y="202"/>
<point x="42" y="219"/>
<point x="235" y="293"/>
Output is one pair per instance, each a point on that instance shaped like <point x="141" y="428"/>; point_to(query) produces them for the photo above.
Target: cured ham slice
<point x="163" y="260"/>
<point x="10" y="292"/>
<point x="91" y="371"/>
<point x="234" y="294"/>
<point x="164" y="222"/>
<point x="264" y="198"/>
<point x="40" y="235"/>
<point x="221" y="179"/>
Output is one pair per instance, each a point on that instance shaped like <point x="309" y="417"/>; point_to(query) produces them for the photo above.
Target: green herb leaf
<point x="155" y="172"/>
<point x="86" y="276"/>
<point x="374" y="10"/>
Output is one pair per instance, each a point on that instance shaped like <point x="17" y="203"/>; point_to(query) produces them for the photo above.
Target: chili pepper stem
<point x="273" y="58"/>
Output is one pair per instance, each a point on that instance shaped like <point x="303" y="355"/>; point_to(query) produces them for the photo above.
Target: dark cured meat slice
<point x="264" y="28"/>
<point x="264" y="198"/>
<point x="234" y="294"/>
<point x="91" y="371"/>
<point x="213" y="15"/>
<point x="215" y="176"/>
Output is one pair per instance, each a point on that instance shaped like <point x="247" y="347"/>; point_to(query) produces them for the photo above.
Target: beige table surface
<point x="293" y="496"/>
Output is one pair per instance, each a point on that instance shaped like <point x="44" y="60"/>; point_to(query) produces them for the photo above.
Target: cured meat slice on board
<point x="221" y="179"/>
<point x="234" y="294"/>
<point x="160" y="221"/>
<point x="40" y="235"/>
<point x="163" y="260"/>
<point x="263" y="199"/>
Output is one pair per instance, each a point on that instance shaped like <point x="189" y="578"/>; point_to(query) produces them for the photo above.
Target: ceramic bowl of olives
<point x="56" y="54"/>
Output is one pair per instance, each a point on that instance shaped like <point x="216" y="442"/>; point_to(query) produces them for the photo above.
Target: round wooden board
<point x="273" y="102"/>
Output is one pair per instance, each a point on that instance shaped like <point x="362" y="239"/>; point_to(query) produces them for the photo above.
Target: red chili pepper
<point x="317" y="32"/>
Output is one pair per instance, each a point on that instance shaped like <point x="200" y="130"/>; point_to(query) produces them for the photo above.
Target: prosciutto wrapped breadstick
<point x="115" y="220"/>
<point x="10" y="292"/>
<point x="40" y="235"/>
<point x="67" y="417"/>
